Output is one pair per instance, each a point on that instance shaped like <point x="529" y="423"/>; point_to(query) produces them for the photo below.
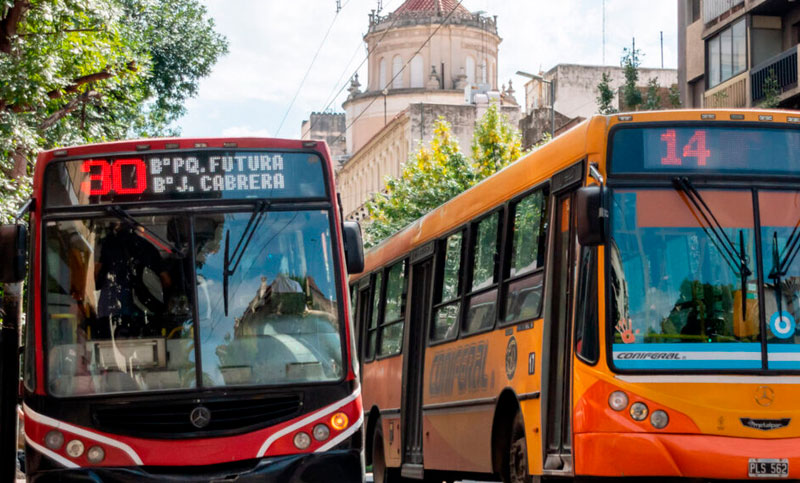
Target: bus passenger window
<point x="394" y="313"/>
<point x="586" y="334"/>
<point x="482" y="302"/>
<point x="372" y="330"/>
<point x="523" y="296"/>
<point x="448" y="302"/>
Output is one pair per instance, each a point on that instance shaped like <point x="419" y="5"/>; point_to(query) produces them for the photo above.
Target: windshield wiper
<point x="147" y="233"/>
<point x="781" y="262"/>
<point x="736" y="259"/>
<point x="230" y="266"/>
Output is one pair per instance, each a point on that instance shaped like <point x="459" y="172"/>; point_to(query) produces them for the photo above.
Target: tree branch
<point x="10" y="22"/>
<point x="73" y="104"/>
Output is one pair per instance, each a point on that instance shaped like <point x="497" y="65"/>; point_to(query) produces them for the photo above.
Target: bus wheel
<point x="380" y="472"/>
<point x="518" y="452"/>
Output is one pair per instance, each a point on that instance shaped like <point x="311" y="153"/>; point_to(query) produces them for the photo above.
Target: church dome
<point x="432" y="8"/>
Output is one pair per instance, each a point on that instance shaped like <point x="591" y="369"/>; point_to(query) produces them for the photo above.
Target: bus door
<point x="416" y="326"/>
<point x="362" y="319"/>
<point x="557" y="370"/>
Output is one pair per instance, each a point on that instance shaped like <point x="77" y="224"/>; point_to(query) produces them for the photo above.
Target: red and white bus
<point x="188" y="314"/>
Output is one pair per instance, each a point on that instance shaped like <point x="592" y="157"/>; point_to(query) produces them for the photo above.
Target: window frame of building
<point x="715" y="74"/>
<point x="397" y="72"/>
<point x="417" y="77"/>
<point x="534" y="274"/>
<point x="399" y="318"/>
<point x="382" y="74"/>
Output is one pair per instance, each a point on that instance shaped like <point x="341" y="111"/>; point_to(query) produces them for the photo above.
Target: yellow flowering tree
<point x="439" y="171"/>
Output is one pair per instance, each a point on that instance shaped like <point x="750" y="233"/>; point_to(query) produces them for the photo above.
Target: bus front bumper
<point x="342" y="465"/>
<point x="680" y="455"/>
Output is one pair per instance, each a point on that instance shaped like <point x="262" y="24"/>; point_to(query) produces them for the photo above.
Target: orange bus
<point x="621" y="302"/>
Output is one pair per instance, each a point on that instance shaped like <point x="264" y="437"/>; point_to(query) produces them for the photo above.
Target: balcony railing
<point x="731" y="93"/>
<point x="782" y="67"/>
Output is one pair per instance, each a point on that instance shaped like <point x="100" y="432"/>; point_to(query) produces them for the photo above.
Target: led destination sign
<point x="713" y="149"/>
<point x="202" y="175"/>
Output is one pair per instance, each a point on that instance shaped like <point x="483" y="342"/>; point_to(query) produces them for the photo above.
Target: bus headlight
<point x="659" y="419"/>
<point x="302" y="440"/>
<point x="75" y="448"/>
<point x="618" y="400"/>
<point x="54" y="439"/>
<point x="321" y="432"/>
<point x="639" y="411"/>
<point x="95" y="454"/>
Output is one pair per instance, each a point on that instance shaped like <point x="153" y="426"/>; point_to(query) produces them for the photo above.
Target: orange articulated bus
<point x="622" y="302"/>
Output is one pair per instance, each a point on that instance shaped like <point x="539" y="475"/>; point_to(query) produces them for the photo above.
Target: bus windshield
<point x="682" y="281"/>
<point x="135" y="302"/>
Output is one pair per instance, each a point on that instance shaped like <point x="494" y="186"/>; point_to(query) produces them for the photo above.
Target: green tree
<point x="605" y="95"/>
<point x="630" y="62"/>
<point x="652" y="101"/>
<point x="431" y="176"/>
<point x="77" y="71"/>
<point x="495" y="142"/>
<point x="674" y="97"/>
<point x="772" y="91"/>
<point x="439" y="172"/>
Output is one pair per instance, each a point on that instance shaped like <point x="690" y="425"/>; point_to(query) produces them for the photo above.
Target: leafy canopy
<point x="439" y="172"/>
<point x="79" y="71"/>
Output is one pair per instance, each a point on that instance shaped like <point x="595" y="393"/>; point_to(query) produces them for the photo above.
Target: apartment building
<point x="731" y="51"/>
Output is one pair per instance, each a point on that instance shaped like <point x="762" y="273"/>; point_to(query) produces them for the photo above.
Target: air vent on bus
<point x="173" y="419"/>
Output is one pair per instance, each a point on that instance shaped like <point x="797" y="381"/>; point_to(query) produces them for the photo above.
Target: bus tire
<point x="518" y="452"/>
<point x="380" y="472"/>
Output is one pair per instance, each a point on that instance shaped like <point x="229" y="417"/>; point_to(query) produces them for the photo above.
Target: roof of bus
<point x="585" y="139"/>
<point x="155" y="144"/>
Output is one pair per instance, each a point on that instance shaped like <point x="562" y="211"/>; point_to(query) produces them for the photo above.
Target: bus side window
<point x="482" y="297"/>
<point x="372" y="328"/>
<point x="391" y="328"/>
<point x="524" y="275"/>
<point x="448" y="296"/>
<point x="586" y="334"/>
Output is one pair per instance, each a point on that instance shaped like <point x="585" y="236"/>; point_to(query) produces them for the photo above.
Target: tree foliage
<point x="437" y="173"/>
<point x="605" y="95"/>
<point x="652" y="100"/>
<point x="630" y="62"/>
<point x="772" y="91"/>
<point x="77" y="71"/>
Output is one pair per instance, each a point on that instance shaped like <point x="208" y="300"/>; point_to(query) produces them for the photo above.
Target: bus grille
<point x="172" y="419"/>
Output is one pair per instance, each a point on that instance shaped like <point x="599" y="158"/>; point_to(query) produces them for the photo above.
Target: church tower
<point x="404" y="69"/>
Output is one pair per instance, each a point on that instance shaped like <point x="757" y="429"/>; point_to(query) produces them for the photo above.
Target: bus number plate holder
<point x="768" y="468"/>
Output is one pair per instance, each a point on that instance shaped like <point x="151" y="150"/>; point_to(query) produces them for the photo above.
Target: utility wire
<point x="388" y="83"/>
<point x="332" y="100"/>
<point x="308" y="71"/>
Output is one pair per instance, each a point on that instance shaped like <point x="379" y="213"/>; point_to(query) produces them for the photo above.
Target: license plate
<point x="768" y="468"/>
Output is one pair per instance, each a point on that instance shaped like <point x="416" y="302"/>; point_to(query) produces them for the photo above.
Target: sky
<point x="267" y="84"/>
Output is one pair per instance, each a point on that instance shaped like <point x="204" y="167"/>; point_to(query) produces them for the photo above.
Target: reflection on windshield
<point x="118" y="305"/>
<point x="676" y="298"/>
<point x="281" y="325"/>
<point x="780" y="229"/>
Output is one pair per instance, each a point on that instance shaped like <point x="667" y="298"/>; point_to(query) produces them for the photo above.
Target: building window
<point x="726" y="54"/>
<point x="417" y="72"/>
<point x="382" y="75"/>
<point x="692" y="11"/>
<point x="397" y="72"/>
<point x="470" y="70"/>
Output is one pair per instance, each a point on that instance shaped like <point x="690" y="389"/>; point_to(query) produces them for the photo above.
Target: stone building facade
<point x="728" y="48"/>
<point x="428" y="58"/>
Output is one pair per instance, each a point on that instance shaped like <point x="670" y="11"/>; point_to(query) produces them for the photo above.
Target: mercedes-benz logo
<point x="764" y="396"/>
<point x="200" y="417"/>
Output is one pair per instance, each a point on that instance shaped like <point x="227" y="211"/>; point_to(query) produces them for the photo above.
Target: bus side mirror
<point x="353" y="247"/>
<point x="592" y="214"/>
<point x="12" y="253"/>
